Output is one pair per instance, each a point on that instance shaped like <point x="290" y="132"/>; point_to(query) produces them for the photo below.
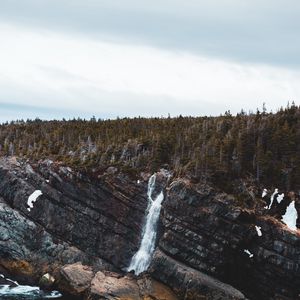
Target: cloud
<point x="64" y="75"/>
<point x="246" y="31"/>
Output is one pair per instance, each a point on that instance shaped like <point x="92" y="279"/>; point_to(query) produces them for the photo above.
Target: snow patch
<point x="264" y="193"/>
<point x="138" y="182"/>
<point x="272" y="198"/>
<point x="32" y="198"/>
<point x="290" y="216"/>
<point x="258" y="230"/>
<point x="280" y="197"/>
<point x="248" y="252"/>
<point x="29" y="169"/>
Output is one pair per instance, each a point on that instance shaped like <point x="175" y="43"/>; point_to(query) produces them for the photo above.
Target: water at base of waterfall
<point x="142" y="258"/>
<point x="15" y="291"/>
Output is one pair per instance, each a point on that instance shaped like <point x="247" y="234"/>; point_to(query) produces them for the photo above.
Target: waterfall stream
<point x="142" y="258"/>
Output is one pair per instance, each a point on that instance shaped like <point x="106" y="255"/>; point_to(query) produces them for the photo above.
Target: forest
<point x="264" y="146"/>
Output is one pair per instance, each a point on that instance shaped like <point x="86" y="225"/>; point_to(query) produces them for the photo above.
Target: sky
<point x="126" y="58"/>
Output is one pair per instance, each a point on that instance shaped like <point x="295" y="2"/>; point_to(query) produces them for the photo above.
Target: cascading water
<point x="142" y="258"/>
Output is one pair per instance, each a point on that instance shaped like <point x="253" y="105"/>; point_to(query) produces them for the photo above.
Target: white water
<point x="30" y="292"/>
<point x="142" y="258"/>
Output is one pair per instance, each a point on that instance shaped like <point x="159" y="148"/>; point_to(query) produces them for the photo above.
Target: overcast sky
<point x="70" y="58"/>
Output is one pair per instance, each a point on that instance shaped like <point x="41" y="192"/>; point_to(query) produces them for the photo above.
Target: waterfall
<point x="142" y="258"/>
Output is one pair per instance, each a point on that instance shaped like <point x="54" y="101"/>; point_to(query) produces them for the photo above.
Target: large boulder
<point x="75" y="279"/>
<point x="108" y="286"/>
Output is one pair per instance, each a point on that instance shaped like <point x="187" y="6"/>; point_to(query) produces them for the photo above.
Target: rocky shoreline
<point x="83" y="230"/>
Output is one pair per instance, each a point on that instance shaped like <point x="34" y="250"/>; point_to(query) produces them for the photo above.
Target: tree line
<point x="264" y="146"/>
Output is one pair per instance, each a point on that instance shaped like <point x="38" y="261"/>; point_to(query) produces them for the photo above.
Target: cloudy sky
<point x="109" y="58"/>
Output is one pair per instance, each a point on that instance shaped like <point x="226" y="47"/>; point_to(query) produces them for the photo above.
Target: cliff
<point x="84" y="229"/>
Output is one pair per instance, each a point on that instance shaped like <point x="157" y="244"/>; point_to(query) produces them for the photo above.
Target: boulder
<point x="110" y="286"/>
<point x="75" y="279"/>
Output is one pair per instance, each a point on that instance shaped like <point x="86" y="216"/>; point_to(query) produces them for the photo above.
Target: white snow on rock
<point x="138" y="182"/>
<point x="29" y="169"/>
<point x="264" y="193"/>
<point x="32" y="198"/>
<point x="290" y="216"/>
<point x="258" y="230"/>
<point x="272" y="198"/>
<point x="248" y="252"/>
<point x="280" y="197"/>
<point x="47" y="180"/>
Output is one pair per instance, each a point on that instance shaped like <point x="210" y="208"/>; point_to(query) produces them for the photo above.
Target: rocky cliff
<point x="83" y="229"/>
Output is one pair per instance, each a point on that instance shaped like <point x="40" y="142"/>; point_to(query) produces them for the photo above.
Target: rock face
<point x="94" y="214"/>
<point x="209" y="232"/>
<point x="84" y="229"/>
<point x="28" y="251"/>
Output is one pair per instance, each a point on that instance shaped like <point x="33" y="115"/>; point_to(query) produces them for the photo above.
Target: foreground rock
<point x="109" y="286"/>
<point x="75" y="279"/>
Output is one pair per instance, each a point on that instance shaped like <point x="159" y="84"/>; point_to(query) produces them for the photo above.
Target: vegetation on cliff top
<point x="265" y="146"/>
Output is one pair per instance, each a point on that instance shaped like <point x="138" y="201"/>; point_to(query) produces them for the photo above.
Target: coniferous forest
<point x="262" y="146"/>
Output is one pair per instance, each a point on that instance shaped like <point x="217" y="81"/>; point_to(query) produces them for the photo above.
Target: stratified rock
<point x="96" y="218"/>
<point x="92" y="212"/>
<point x="75" y="279"/>
<point x="209" y="232"/>
<point x="27" y="251"/>
<point x="189" y="283"/>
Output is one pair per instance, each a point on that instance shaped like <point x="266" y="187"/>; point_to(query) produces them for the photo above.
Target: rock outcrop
<point x="84" y="228"/>
<point x="209" y="232"/>
<point x="95" y="214"/>
<point x="76" y="279"/>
